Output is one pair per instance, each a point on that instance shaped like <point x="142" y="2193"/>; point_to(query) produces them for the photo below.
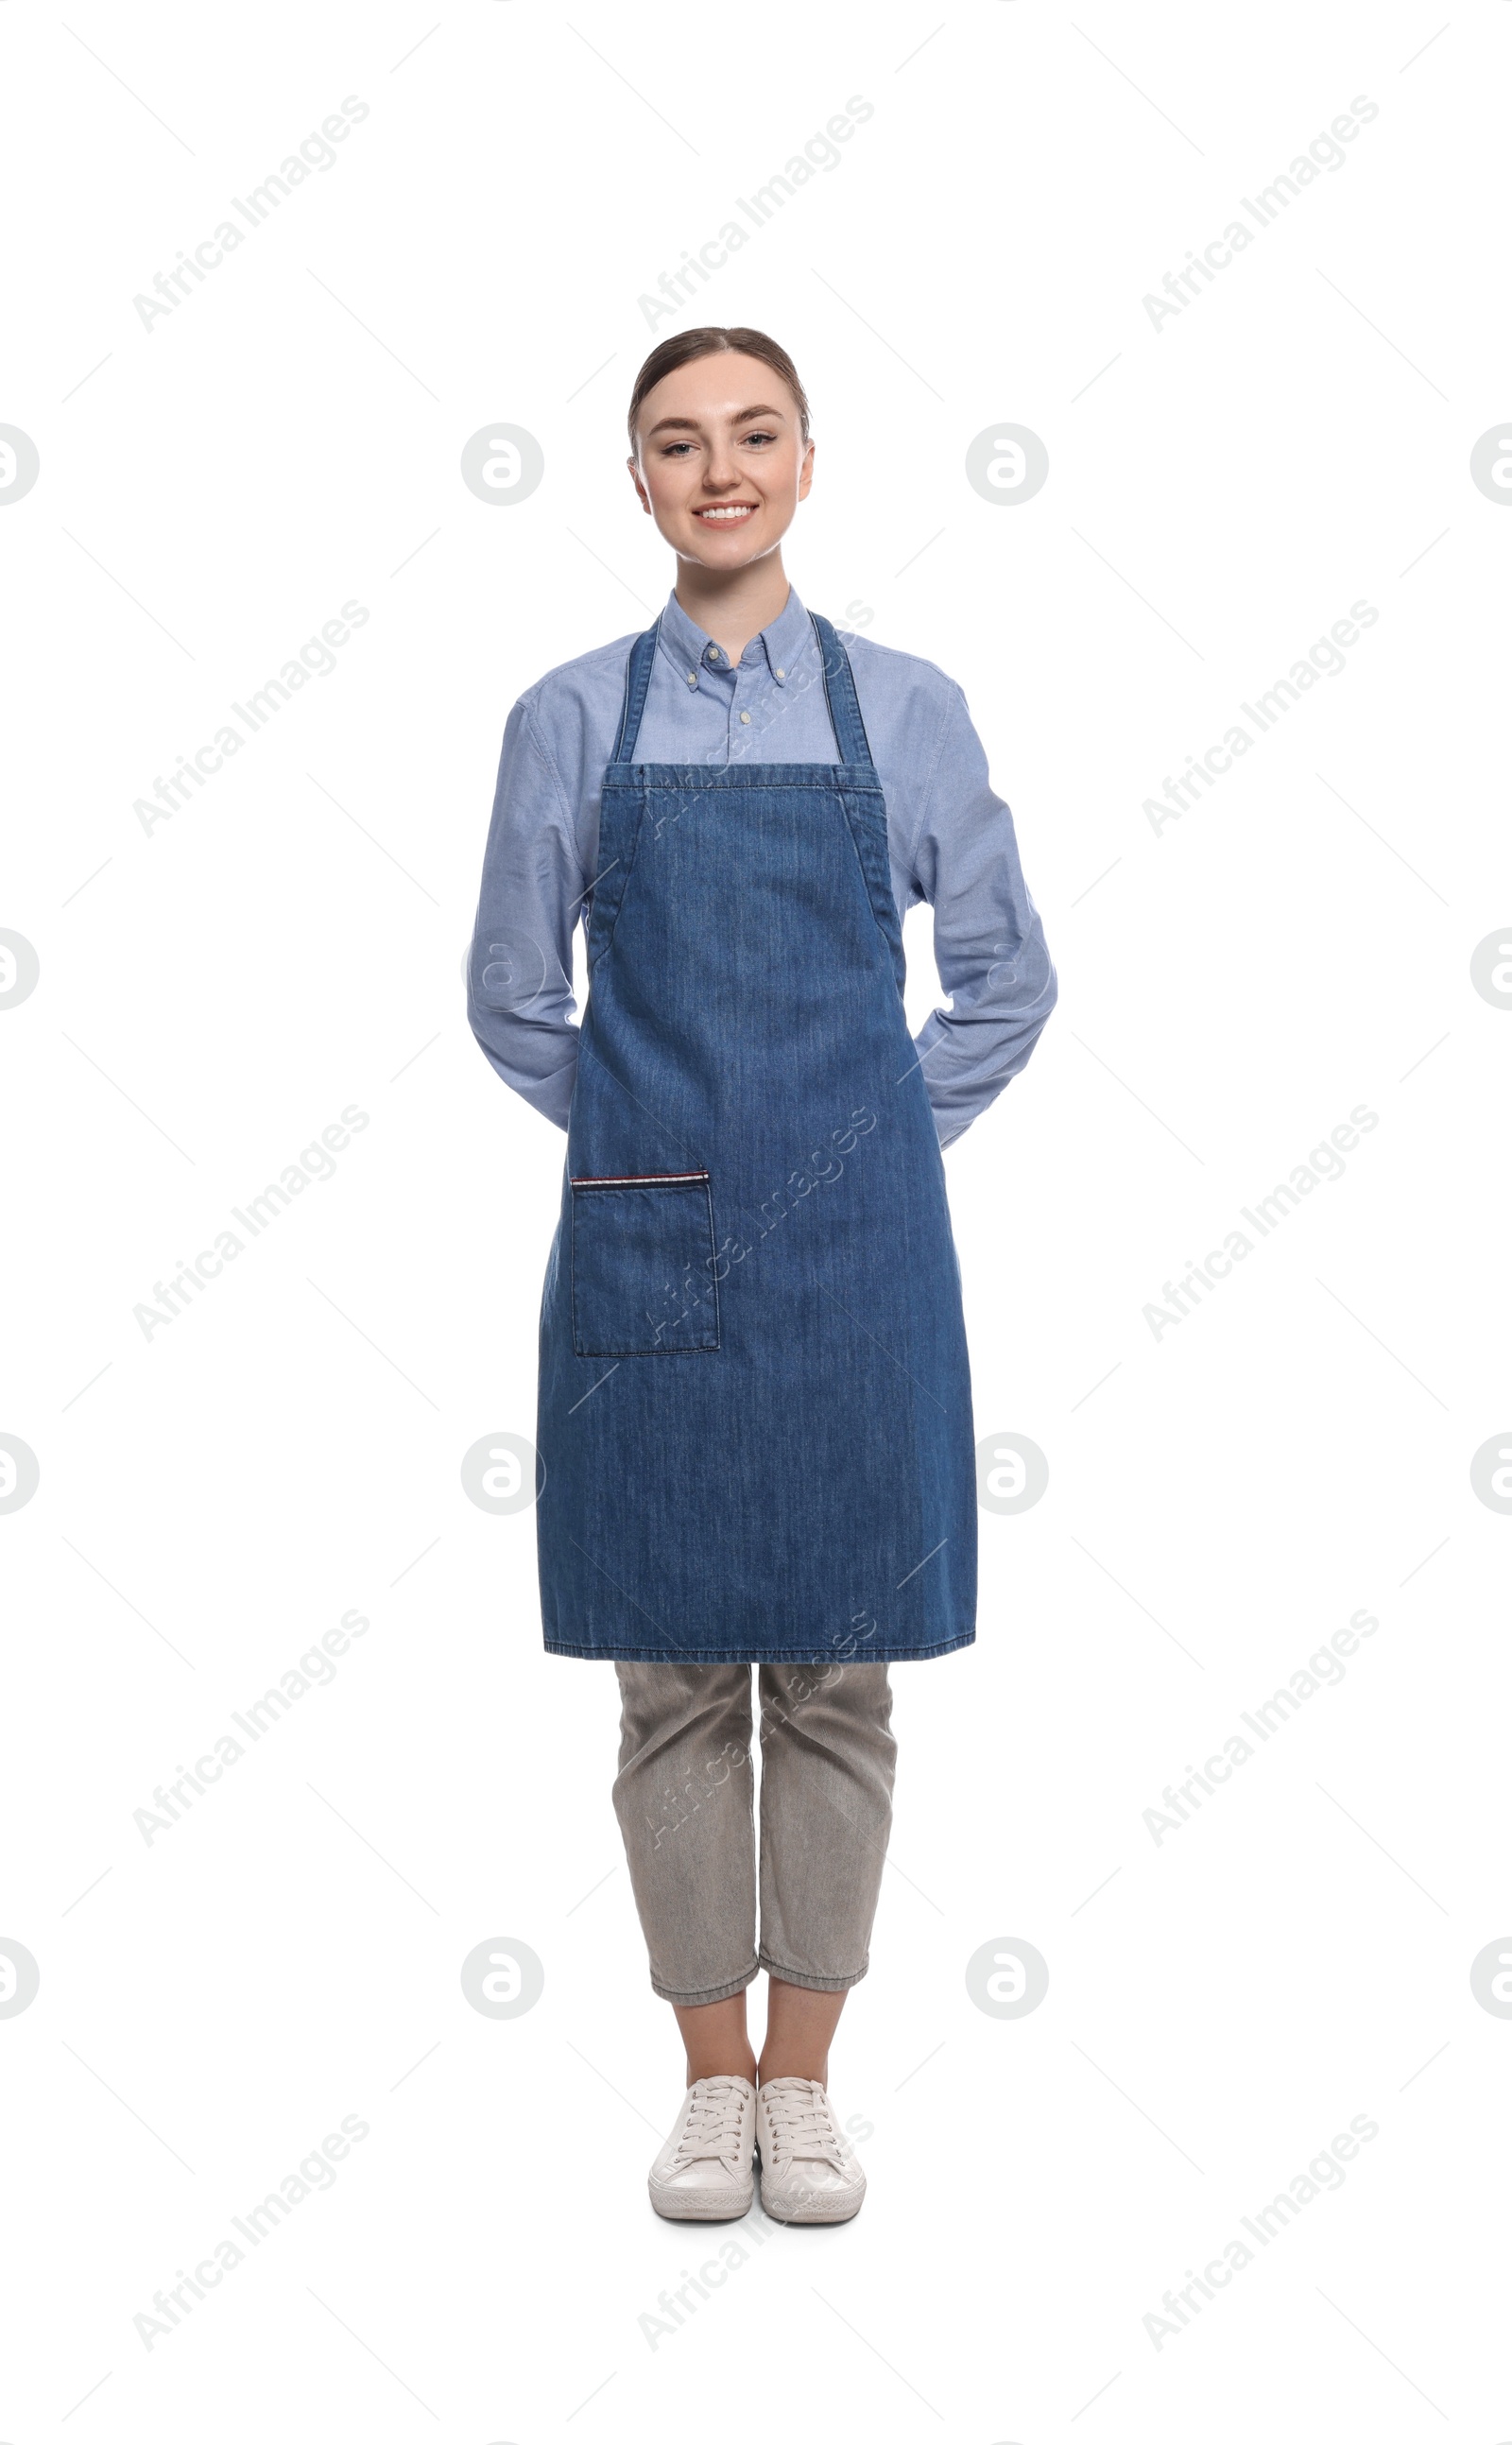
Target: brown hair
<point x="712" y="340"/>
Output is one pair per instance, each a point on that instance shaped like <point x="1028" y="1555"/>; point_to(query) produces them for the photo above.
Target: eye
<point x="672" y="448"/>
<point x="761" y="437"/>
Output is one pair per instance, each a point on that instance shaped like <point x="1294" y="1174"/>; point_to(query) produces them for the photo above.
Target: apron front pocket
<point x="643" y="1265"/>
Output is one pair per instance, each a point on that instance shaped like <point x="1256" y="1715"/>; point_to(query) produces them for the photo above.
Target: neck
<point x="732" y="606"/>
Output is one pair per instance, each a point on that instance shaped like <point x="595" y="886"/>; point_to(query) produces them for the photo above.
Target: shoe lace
<point x="712" y="2124"/>
<point x="802" y="2122"/>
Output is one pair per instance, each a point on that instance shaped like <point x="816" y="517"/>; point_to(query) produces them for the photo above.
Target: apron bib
<point x="755" y="1409"/>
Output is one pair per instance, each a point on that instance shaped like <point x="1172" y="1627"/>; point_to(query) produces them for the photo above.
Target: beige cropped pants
<point x="684" y="1797"/>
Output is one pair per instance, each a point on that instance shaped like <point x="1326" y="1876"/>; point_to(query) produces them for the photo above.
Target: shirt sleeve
<point x="519" y="970"/>
<point x="988" y="941"/>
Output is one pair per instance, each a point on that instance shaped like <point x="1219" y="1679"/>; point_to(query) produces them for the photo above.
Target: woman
<point x="755" y="1411"/>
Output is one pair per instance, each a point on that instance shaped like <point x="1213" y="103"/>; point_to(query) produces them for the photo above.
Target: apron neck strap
<point x="637" y="681"/>
<point x="840" y="689"/>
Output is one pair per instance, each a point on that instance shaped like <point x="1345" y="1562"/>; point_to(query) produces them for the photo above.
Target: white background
<point x="1221" y="1499"/>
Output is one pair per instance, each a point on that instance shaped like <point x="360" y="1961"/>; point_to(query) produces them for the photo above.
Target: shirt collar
<point x="784" y="640"/>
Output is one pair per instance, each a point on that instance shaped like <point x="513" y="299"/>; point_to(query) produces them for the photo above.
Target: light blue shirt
<point x="951" y="840"/>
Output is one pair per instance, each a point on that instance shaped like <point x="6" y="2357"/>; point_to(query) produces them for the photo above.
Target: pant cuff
<point x="703" y="1994"/>
<point x="808" y="1978"/>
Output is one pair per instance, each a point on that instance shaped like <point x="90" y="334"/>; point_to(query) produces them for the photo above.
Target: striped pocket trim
<point x="635" y="1179"/>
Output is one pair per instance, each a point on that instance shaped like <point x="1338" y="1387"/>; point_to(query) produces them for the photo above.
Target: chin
<point x="732" y="550"/>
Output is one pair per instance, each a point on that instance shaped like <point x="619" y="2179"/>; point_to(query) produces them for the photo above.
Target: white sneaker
<point x="810" y="2171"/>
<point x="702" y="2176"/>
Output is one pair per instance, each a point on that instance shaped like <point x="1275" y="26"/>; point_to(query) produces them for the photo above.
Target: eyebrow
<point x="687" y="425"/>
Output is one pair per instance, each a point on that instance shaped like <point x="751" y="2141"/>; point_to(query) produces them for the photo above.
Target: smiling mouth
<point x="726" y="513"/>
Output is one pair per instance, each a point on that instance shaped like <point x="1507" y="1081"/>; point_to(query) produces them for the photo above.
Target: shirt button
<point x="782" y="675"/>
<point x="745" y="716"/>
<point x="713" y="654"/>
<point x="693" y="678"/>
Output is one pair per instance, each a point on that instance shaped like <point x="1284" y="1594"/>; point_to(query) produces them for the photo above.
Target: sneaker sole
<point x="809" y="2215"/>
<point x="719" y="2211"/>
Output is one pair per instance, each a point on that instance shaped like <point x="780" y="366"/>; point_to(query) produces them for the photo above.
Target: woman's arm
<point x="989" y="943"/>
<point x="519" y="991"/>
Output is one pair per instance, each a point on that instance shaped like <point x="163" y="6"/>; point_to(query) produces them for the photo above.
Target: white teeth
<point x="726" y="517"/>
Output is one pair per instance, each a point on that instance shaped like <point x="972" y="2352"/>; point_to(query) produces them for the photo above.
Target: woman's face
<point x="721" y="464"/>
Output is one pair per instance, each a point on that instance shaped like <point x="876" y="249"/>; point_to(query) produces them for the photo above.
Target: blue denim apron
<point x="754" y="1414"/>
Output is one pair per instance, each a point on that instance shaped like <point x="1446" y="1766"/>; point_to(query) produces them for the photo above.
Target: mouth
<point x="726" y="513"/>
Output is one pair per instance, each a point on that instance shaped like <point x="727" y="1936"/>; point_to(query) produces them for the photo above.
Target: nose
<point x="721" y="475"/>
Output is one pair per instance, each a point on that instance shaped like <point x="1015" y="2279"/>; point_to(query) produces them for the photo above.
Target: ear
<point x="642" y="495"/>
<point x="806" y="473"/>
